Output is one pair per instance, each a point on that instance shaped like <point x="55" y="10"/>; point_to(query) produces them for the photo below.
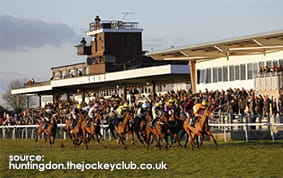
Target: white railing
<point x="26" y="129"/>
<point x="273" y="127"/>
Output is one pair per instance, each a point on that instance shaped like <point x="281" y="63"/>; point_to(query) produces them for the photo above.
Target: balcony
<point x="83" y="50"/>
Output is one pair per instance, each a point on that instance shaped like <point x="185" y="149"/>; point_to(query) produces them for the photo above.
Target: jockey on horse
<point x="142" y="112"/>
<point x="198" y="109"/>
<point x="170" y="107"/>
<point x="121" y="111"/>
<point x="156" y="112"/>
<point x="92" y="113"/>
<point x="74" y="113"/>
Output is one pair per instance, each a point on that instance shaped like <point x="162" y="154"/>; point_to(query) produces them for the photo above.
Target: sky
<point x="36" y="35"/>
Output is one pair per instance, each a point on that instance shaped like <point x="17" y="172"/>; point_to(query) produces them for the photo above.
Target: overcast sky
<point x="36" y="35"/>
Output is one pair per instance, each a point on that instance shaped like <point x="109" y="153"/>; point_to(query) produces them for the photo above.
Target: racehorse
<point x="67" y="127"/>
<point x="50" y="131"/>
<point x="89" y="132"/>
<point x="201" y="127"/>
<point x="76" y="131"/>
<point x="158" y="131"/>
<point x="124" y="126"/>
<point x="174" y="127"/>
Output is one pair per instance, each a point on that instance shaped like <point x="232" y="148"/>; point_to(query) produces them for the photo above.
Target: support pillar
<point x="39" y="98"/>
<point x="193" y="75"/>
<point x="125" y="92"/>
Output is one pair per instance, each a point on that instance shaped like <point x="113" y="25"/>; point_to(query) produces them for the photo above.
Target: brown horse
<point x="174" y="127"/>
<point x="92" y="130"/>
<point x="50" y="131"/>
<point x="68" y="127"/>
<point x="158" y="131"/>
<point x="76" y="133"/>
<point x="124" y="127"/>
<point x="201" y="128"/>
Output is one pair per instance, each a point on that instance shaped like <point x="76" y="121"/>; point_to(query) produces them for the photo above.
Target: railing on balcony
<point x="112" y="25"/>
<point x="269" y="81"/>
<point x="36" y="84"/>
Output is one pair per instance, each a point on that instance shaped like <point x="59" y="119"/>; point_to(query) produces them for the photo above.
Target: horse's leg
<point x="158" y="142"/>
<point x="211" y="137"/>
<point x="166" y="140"/>
<point x="133" y="138"/>
<point x="197" y="141"/>
<point x="186" y="141"/>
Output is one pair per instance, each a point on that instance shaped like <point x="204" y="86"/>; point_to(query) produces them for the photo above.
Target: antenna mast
<point x="125" y="14"/>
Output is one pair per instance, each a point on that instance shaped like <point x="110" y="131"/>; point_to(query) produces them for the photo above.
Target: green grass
<point x="227" y="160"/>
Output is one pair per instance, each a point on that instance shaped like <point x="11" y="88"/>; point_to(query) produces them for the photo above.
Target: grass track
<point x="228" y="159"/>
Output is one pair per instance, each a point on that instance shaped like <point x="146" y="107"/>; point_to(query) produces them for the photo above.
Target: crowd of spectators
<point x="233" y="101"/>
<point x="268" y="69"/>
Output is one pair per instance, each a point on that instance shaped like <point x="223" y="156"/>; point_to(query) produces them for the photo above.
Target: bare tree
<point x="16" y="102"/>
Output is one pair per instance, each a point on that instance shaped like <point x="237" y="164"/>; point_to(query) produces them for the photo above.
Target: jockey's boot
<point x="88" y="123"/>
<point x="73" y="124"/>
<point x="192" y="122"/>
<point x="45" y="125"/>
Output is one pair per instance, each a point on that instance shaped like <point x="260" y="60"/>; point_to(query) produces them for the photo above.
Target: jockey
<point x="169" y="106"/>
<point x="198" y="111"/>
<point x="142" y="111"/>
<point x="188" y="107"/>
<point x="121" y="111"/>
<point x="46" y="119"/>
<point x="93" y="111"/>
<point x="156" y="112"/>
<point x="74" y="113"/>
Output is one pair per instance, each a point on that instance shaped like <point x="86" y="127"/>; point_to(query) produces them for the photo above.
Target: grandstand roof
<point x="247" y="45"/>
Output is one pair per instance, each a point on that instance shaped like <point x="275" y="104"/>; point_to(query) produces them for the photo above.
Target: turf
<point x="261" y="158"/>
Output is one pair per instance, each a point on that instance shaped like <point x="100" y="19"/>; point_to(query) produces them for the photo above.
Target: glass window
<point x="261" y="64"/>
<point x="255" y="68"/>
<point x="225" y="74"/>
<point x="202" y="76"/>
<point x="268" y="63"/>
<point x="198" y="76"/>
<point x="208" y="76"/>
<point x="243" y="71"/>
<point x="214" y="71"/>
<point x="220" y="72"/>
<point x="237" y="72"/>
<point x="231" y="73"/>
<point x="275" y="63"/>
<point x="250" y="70"/>
<point x="281" y="62"/>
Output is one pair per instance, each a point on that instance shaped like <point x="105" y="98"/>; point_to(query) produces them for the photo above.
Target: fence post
<point x="225" y="139"/>
<point x="272" y="133"/>
<point x="26" y="130"/>
<point x="14" y="133"/>
<point x="246" y="133"/>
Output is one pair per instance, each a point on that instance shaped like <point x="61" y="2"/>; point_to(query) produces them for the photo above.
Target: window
<point x="281" y="62"/>
<point x="225" y="74"/>
<point x="208" y="76"/>
<point x="237" y="72"/>
<point x="256" y="68"/>
<point x="250" y="71"/>
<point x="198" y="76"/>
<point x="274" y="63"/>
<point x="214" y="71"/>
<point x="231" y="73"/>
<point x="243" y="71"/>
<point x="220" y="72"/>
<point x="261" y="64"/>
<point x="268" y="63"/>
<point x="202" y="76"/>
